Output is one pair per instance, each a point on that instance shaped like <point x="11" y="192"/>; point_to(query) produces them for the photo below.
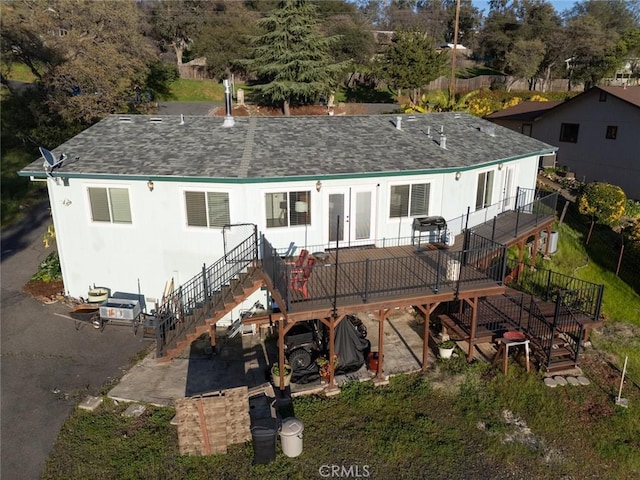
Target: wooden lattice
<point x="207" y="424"/>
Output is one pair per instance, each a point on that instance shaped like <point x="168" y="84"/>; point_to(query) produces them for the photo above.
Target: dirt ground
<point x="45" y="291"/>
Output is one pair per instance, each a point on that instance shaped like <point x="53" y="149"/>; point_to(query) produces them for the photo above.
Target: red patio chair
<point x="300" y="277"/>
<point x="301" y="260"/>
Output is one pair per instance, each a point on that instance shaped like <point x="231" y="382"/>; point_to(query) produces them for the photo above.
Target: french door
<point x="350" y="215"/>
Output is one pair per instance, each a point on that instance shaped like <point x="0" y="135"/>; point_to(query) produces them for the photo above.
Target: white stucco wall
<point x="158" y="245"/>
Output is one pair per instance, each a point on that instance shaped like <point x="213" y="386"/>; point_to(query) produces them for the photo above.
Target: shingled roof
<point x="530" y="111"/>
<point x="524" y="111"/>
<point x="261" y="148"/>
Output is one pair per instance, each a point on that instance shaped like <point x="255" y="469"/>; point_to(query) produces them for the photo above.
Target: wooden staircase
<point x="554" y="331"/>
<point x="561" y="356"/>
<point x="204" y="317"/>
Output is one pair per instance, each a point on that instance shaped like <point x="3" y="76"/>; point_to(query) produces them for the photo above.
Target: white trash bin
<point x="291" y="436"/>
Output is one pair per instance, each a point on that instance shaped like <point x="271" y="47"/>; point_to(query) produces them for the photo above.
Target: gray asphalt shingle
<point x="276" y="147"/>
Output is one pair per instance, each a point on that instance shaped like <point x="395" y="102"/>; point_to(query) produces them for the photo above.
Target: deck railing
<point x="495" y="315"/>
<point x="579" y="295"/>
<point x="572" y="329"/>
<point x="538" y="329"/>
<point x="191" y="303"/>
<point x="532" y="213"/>
<point x="486" y="215"/>
<point x="425" y="273"/>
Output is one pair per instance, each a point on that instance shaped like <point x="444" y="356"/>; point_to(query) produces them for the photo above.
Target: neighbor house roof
<point x="277" y="148"/>
<point x="628" y="94"/>
<point x="524" y="111"/>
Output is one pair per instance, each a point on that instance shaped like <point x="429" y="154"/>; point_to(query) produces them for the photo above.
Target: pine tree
<point x="291" y="60"/>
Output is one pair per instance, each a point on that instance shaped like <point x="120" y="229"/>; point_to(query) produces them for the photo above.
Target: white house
<point x="139" y="200"/>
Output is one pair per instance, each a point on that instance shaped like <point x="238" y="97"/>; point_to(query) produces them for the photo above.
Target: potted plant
<point x="323" y="366"/>
<point x="275" y="374"/>
<point x="445" y="349"/>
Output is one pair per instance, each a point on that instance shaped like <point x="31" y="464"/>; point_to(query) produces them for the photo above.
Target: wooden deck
<point x="511" y="227"/>
<point x="369" y="279"/>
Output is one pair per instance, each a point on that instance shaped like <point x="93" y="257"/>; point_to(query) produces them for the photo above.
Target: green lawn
<point x="187" y="90"/>
<point x="476" y="423"/>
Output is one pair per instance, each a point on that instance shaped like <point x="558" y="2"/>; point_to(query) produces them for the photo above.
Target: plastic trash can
<point x="264" y="444"/>
<point x="291" y="436"/>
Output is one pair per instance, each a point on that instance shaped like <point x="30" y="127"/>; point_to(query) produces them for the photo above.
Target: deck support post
<point x="212" y="334"/>
<point x="548" y="242"/>
<point x="474" y="320"/>
<point x="426" y="309"/>
<point x="520" y="259"/>
<point x="425" y="339"/>
<point x="332" y="348"/>
<point x="382" y="315"/>
<point x="534" y="254"/>
<point x="281" y="352"/>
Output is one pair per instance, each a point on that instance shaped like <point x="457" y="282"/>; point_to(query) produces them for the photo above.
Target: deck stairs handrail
<point x="210" y="294"/>
<point x="568" y="325"/>
<point x="539" y="330"/>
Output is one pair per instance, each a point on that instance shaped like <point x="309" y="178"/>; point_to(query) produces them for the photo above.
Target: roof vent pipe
<point x="443" y="141"/>
<point x="428" y="131"/>
<point x="398" y="123"/>
<point x="228" y="118"/>
<point x="181" y="119"/>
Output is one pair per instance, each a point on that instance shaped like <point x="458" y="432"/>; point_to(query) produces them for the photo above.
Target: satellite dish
<point x="50" y="161"/>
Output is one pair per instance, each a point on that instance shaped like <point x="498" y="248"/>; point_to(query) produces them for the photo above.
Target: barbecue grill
<point x="430" y="230"/>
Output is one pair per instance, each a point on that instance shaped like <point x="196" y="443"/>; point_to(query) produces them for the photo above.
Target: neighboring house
<point x="520" y="117"/>
<point x="597" y="133"/>
<point x="140" y="200"/>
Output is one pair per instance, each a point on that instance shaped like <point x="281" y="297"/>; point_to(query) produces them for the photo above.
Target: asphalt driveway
<point x="47" y="364"/>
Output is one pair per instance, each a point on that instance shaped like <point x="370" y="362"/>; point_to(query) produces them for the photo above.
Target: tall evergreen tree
<point x="411" y="62"/>
<point x="291" y="60"/>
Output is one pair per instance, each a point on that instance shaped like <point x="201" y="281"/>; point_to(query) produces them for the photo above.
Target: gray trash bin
<point x="291" y="436"/>
<point x="264" y="444"/>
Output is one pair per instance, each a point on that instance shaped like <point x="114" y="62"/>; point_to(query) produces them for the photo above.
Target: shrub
<point x="49" y="269"/>
<point x="603" y="202"/>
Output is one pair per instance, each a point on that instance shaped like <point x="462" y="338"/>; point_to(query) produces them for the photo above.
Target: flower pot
<point x="445" y="352"/>
<point x="275" y="378"/>
<point x="372" y="362"/>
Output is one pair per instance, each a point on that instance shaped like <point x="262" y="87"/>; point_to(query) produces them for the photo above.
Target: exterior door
<point x="509" y="188"/>
<point x="350" y="215"/>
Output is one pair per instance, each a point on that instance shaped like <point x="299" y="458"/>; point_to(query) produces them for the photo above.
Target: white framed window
<point x="207" y="209"/>
<point x="484" y="190"/>
<point x="109" y="204"/>
<point x="288" y="209"/>
<point x="409" y="200"/>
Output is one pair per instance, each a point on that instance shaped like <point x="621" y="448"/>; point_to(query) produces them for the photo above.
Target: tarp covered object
<point x="350" y="346"/>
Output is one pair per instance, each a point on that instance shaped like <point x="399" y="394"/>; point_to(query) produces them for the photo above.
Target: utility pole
<point x="452" y="80"/>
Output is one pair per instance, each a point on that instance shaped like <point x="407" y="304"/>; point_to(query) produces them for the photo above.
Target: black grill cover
<point x="350" y="347"/>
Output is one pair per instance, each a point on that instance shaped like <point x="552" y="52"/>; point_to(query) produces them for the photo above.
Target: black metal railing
<point x="539" y="330"/>
<point x="579" y="295"/>
<point x="485" y="254"/>
<point x="191" y="303"/>
<point x="532" y="213"/>
<point x="364" y="280"/>
<point x="487" y="214"/>
<point x="572" y="330"/>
